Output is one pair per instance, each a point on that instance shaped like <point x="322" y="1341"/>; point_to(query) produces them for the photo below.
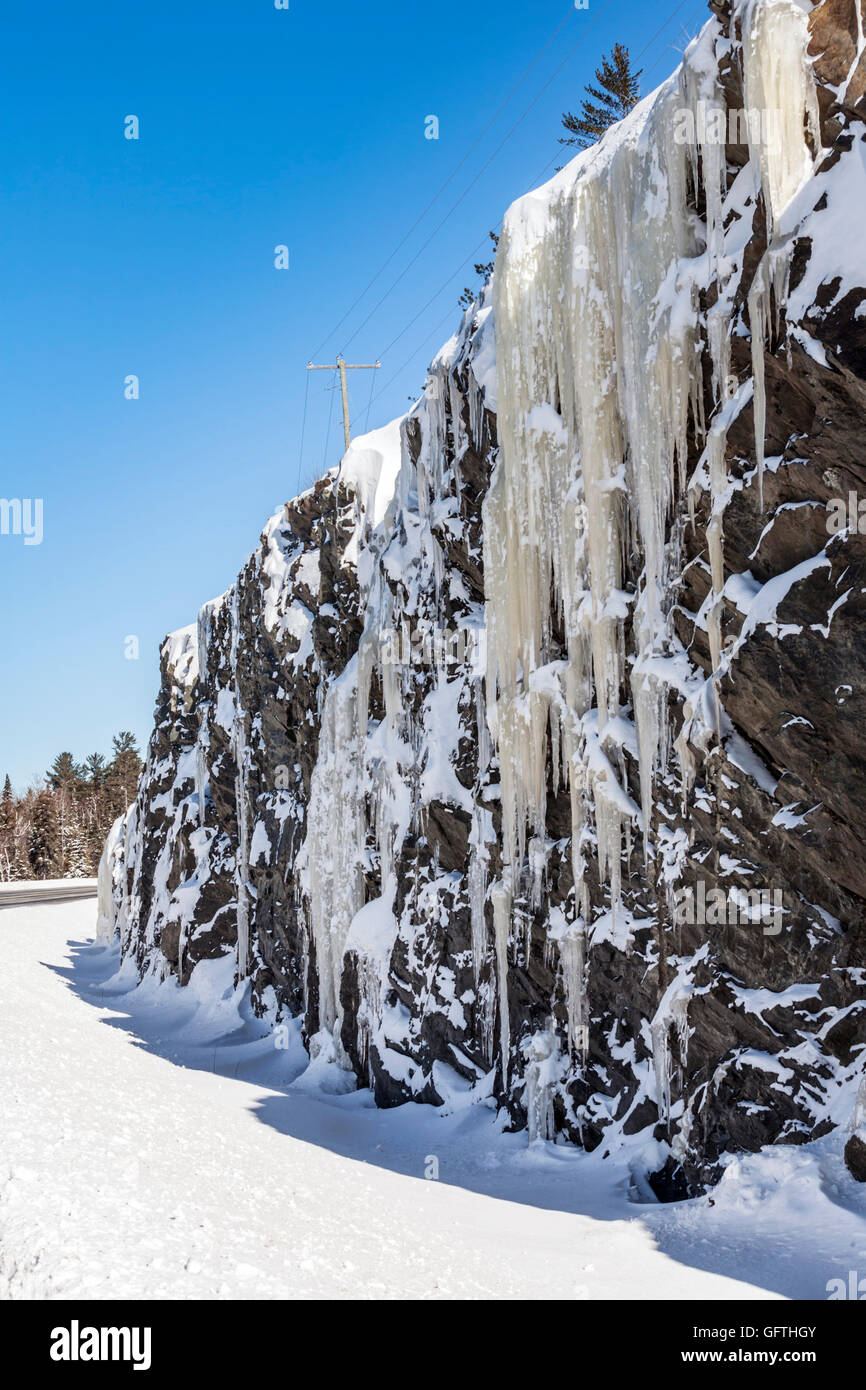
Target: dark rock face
<point x="323" y="796"/>
<point x="855" y="1157"/>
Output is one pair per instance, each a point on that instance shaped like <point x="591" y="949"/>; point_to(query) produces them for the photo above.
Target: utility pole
<point x="343" y="367"/>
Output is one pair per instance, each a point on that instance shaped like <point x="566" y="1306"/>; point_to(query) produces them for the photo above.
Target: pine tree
<point x="7" y="807"/>
<point x="617" y="92"/>
<point x="44" y="846"/>
<point x="121" y="778"/>
<point x="94" y="770"/>
<point x="8" y="833"/>
<point x="64" y="780"/>
<point x="77" y="863"/>
<point x="63" y="772"/>
<point x="484" y="269"/>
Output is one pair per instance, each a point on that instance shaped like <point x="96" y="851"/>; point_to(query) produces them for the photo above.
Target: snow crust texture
<point x="524" y="759"/>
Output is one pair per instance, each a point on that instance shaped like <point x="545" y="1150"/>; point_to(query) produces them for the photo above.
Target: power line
<point x="481" y="244"/>
<point x="663" y="53"/>
<point x="330" y="418"/>
<point x="466" y="191"/>
<point x="438" y="329"/>
<point x="466" y="260"/>
<point x="369" y="404"/>
<point x="434" y="297"/>
<point x="485" y="166"/>
<point x="658" y="31"/>
<point x="454" y="172"/>
<point x="441" y="290"/>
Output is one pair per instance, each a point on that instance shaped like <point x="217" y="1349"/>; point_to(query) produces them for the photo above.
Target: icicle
<point x="129" y="840"/>
<point x="673" y="1012"/>
<point x="572" y="956"/>
<point x="334" y="847"/>
<point x="367" y="652"/>
<point x="394" y="661"/>
<point x="540" y="1077"/>
<point x="781" y="100"/>
<point x="650" y="707"/>
<point x="595" y="385"/>
<point x="481" y="727"/>
<point x="201" y="773"/>
<point x="782" y="105"/>
<point x="769" y="282"/>
<point x="239" y="750"/>
<point x="718" y="471"/>
<point x="662" y="1066"/>
<point x="242" y="858"/>
<point x="613" y="809"/>
<point x="537" y="868"/>
<point x="688" y="764"/>
<point x="522" y="742"/>
<point x="501" y="898"/>
<point x="758" y="316"/>
<point x="596" y="300"/>
<point x="106" y="909"/>
<point x="477" y="886"/>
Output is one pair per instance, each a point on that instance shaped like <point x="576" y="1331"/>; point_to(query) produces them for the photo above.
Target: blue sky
<point x="155" y="257"/>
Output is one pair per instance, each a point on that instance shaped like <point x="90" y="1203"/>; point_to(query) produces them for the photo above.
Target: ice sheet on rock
<point x="596" y="289"/>
<point x="105" y="901"/>
<point x="371" y="937"/>
<point x="779" y="90"/>
<point x="596" y="359"/>
<point x="369" y="471"/>
<point x="332" y="867"/>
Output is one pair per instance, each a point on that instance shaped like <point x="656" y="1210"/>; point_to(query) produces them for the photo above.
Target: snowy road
<point x="144" y="1153"/>
<point x="59" y="890"/>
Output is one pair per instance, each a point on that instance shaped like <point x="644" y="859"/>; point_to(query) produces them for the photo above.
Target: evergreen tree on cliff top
<point x="617" y="92"/>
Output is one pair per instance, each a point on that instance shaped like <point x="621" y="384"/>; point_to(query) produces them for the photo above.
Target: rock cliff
<point x="525" y="756"/>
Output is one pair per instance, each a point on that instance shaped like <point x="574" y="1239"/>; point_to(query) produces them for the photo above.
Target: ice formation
<point x="239" y="749"/>
<point x="541" y="1074"/>
<point x="334" y="847"/>
<point x="105" y="907"/>
<point x="598" y="275"/>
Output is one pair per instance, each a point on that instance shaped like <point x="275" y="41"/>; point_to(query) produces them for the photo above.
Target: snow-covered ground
<point x="155" y="1143"/>
<point x="39" y="885"/>
<point x="34" y="890"/>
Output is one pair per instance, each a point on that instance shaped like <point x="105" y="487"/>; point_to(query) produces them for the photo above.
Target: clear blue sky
<point x="155" y="257"/>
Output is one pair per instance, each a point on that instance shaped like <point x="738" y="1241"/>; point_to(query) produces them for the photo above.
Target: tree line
<point x="57" y="828"/>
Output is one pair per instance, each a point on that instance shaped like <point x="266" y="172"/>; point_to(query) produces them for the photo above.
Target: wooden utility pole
<point x="343" y="367"/>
